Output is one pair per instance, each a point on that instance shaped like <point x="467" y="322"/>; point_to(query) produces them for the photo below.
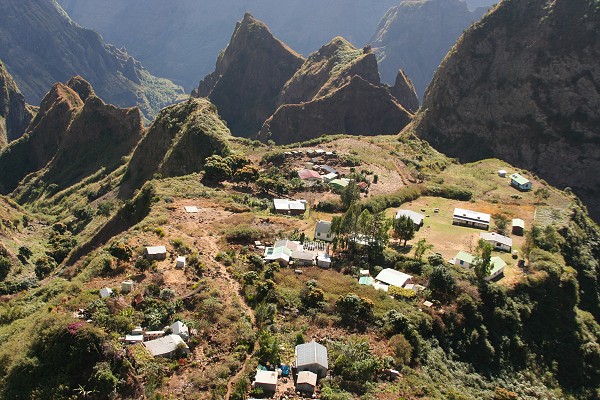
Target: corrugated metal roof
<point x="471" y="215"/>
<point x="156" y="250"/>
<point x="311" y="353"/>
<point x="464" y="256"/>
<point x="164" y="345"/>
<point x="307" y="377"/>
<point x="518" y="222"/>
<point x="496" y="237"/>
<point x="392" y="277"/>
<point x="521" y="180"/>
<point x="416" y="218"/>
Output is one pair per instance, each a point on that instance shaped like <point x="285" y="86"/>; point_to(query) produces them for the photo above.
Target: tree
<point x="268" y="348"/>
<point x="354" y="310"/>
<point x="350" y="194"/>
<point x="541" y="194"/>
<point x="421" y="247"/>
<point x="404" y="228"/>
<point x="353" y="360"/>
<point x="120" y="251"/>
<point x="402" y="350"/>
<point x="311" y="296"/>
<point x="501" y="222"/>
<point x="217" y="169"/>
<point x="247" y="174"/>
<point x="441" y="282"/>
<point x="482" y="264"/>
<point x="5" y="267"/>
<point x="44" y="266"/>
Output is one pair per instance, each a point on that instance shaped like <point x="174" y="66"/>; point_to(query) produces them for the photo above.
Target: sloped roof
<point x="518" y="222"/>
<point x="311" y="353"/>
<point x="496" y="264"/>
<point x="266" y="377"/>
<point x="521" y="180"/>
<point x="392" y="277"/>
<point x="307" y="377"/>
<point x="179" y="327"/>
<point x="323" y="227"/>
<point x="464" y="256"/>
<point x="308" y="174"/>
<point x="156" y="250"/>
<point x="471" y="215"/>
<point x="164" y="345"/>
<point x="496" y="237"/>
<point x="416" y="218"/>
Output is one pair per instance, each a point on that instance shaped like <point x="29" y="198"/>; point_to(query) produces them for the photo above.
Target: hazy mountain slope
<point x="416" y="35"/>
<point x="74" y="135"/>
<point x="524" y="85"/>
<point x="474" y="4"/>
<point x="178" y="142"/>
<point x="248" y="76"/>
<point x="180" y="39"/>
<point x="40" y="45"/>
<point x="357" y="108"/>
<point x="15" y="114"/>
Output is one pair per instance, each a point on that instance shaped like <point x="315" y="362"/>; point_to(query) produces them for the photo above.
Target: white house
<point x="518" y="227"/>
<point x="167" y="346"/>
<point x="496" y="267"/>
<point x="181" y="329"/>
<point x="279" y="254"/>
<point x="180" y="263"/>
<point x="390" y="277"/>
<point x="520" y="182"/>
<point x="105" y="292"/>
<point x="156" y="252"/>
<point x="323" y="260"/>
<point x="290" y="207"/>
<point x="306" y="382"/>
<point x="471" y="218"/>
<point x="500" y="242"/>
<point x="132" y="339"/>
<point x="266" y="380"/>
<point x="464" y="259"/>
<point x="323" y="231"/>
<point x="330" y="176"/>
<point x="414" y="216"/>
<point x="126" y="286"/>
<point x="312" y="357"/>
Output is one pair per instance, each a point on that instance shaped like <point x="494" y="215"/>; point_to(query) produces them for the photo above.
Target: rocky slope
<point x="404" y="91"/>
<point x="177" y="143"/>
<point x="248" y="76"/>
<point x="181" y="39"/>
<point x="416" y="35"/>
<point x="41" y="45"/>
<point x="524" y="85"/>
<point x="15" y="114"/>
<point x="356" y="108"/>
<point x="74" y="135"/>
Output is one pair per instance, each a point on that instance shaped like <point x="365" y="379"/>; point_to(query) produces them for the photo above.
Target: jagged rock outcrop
<point x="327" y="69"/>
<point x="357" y="108"/>
<point x="524" y="85"/>
<point x="248" y="77"/>
<point x="177" y="143"/>
<point x="15" y="114"/>
<point x="41" y="46"/>
<point x="181" y="39"/>
<point x="68" y="140"/>
<point x="416" y="35"/>
<point x="404" y="91"/>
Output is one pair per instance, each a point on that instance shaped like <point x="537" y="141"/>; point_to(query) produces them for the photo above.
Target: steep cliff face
<point x="70" y="139"/>
<point x="357" y="108"/>
<point x="328" y="69"/>
<point x="181" y="39"/>
<point x="41" y="45"/>
<point x="248" y="77"/>
<point x="178" y="142"/>
<point x="524" y="85"/>
<point x="404" y="91"/>
<point x="416" y="35"/>
<point x="15" y="114"/>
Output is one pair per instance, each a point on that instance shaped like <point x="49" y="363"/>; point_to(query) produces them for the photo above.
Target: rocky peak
<point x="522" y="85"/>
<point x="81" y="87"/>
<point x="404" y="91"/>
<point x="15" y="114"/>
<point x="248" y="76"/>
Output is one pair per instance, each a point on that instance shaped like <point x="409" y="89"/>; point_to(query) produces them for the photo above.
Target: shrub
<point x="143" y="264"/>
<point x="44" y="266"/>
<point x="5" y="267"/>
<point x="121" y="251"/>
<point x="242" y="234"/>
<point x="354" y="310"/>
<point x="448" y="192"/>
<point x="402" y="293"/>
<point x="402" y="350"/>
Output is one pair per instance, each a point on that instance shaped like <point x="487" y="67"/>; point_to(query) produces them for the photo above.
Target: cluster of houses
<point x="310" y="365"/>
<point x="160" y="343"/>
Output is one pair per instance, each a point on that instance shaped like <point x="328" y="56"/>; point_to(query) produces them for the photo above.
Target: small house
<point x="329" y="170"/>
<point x="500" y="242"/>
<point x="497" y="266"/>
<point x="306" y="382"/>
<point x="323" y="231"/>
<point x="312" y="357"/>
<point x="518" y="227"/>
<point x="289" y="207"/>
<point x="105" y="292"/>
<point x="168" y="346"/>
<point x="415" y="217"/>
<point x="265" y="380"/>
<point x="126" y="286"/>
<point x="330" y="176"/>
<point x="156" y="253"/>
<point x="502" y="173"/>
<point x="133" y="339"/>
<point x="181" y="329"/>
<point x="180" y="263"/>
<point x="471" y="219"/>
<point x="520" y="182"/>
<point x="303" y="258"/>
<point x="309" y="175"/>
<point x="339" y="184"/>
<point x="279" y="254"/>
<point x="390" y="277"/>
<point x="464" y="259"/>
<point x="323" y="260"/>
<point x="365" y="280"/>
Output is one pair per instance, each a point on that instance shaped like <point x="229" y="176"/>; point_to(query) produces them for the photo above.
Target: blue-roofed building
<point x="312" y="357"/>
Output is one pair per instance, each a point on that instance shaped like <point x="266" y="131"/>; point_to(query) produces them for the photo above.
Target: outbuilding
<point x="472" y="219"/>
<point x="520" y="182"/>
<point x="497" y="266"/>
<point x="323" y="260"/>
<point x="518" y="227"/>
<point x="390" y="277"/>
<point x="414" y="216"/>
<point x="312" y="357"/>
<point x="180" y="263"/>
<point x="323" y="231"/>
<point x="289" y="207"/>
<point x="265" y="380"/>
<point x="156" y="253"/>
<point x="464" y="259"/>
<point x="126" y="286"/>
<point x="167" y="346"/>
<point x="306" y="382"/>
<point x="500" y="242"/>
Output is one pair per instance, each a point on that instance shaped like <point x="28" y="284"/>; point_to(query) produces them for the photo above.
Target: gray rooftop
<point x="311" y="353"/>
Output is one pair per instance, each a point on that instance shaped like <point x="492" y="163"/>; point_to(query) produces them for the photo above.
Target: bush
<point x="401" y="293"/>
<point x="243" y="235"/>
<point x="5" y="267"/>
<point x="448" y="192"/>
<point x="44" y="266"/>
<point x="402" y="350"/>
<point x="143" y="264"/>
<point x="121" y="251"/>
<point x="354" y="310"/>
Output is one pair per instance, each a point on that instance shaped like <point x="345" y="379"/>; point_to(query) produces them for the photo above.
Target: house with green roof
<point x="339" y="184"/>
<point x="520" y="182"/>
<point x="464" y="259"/>
<point x="496" y="267"/>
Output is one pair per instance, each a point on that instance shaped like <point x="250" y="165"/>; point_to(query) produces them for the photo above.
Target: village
<point x="462" y="228"/>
